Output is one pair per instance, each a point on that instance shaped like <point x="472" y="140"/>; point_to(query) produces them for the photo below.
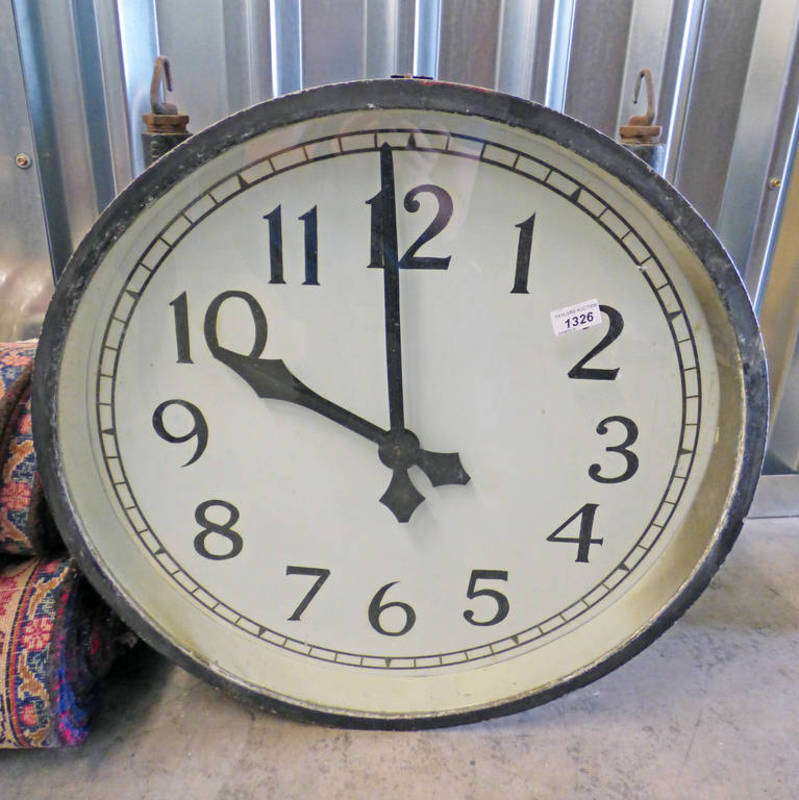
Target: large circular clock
<point x="399" y="404"/>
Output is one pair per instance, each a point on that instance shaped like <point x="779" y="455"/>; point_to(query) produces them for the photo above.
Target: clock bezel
<point x="417" y="95"/>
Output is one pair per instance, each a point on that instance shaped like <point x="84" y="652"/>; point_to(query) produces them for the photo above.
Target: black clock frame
<point x="419" y="95"/>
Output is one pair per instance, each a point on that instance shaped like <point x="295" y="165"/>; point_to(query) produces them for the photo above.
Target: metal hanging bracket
<point x="162" y="73"/>
<point x="639" y="128"/>
<point x="164" y="126"/>
<point x="164" y="117"/>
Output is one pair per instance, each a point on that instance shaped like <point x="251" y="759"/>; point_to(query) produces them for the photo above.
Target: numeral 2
<point x="579" y="370"/>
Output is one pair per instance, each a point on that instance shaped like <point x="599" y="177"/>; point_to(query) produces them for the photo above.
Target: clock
<point x="400" y="404"/>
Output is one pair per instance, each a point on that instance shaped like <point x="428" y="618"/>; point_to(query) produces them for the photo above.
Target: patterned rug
<point x="57" y="640"/>
<point x="25" y="526"/>
<point x="16" y="366"/>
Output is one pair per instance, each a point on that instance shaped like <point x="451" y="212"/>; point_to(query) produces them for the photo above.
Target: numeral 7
<point x="321" y="576"/>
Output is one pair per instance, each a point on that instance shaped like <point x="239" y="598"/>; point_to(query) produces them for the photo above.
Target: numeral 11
<point x="276" y="246"/>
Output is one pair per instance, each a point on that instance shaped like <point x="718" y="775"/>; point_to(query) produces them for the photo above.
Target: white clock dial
<point x="399" y="414"/>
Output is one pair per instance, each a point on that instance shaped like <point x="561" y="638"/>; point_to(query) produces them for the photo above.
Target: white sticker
<point x="576" y="317"/>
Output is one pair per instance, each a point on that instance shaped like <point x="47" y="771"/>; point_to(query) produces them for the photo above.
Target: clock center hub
<point x="400" y="449"/>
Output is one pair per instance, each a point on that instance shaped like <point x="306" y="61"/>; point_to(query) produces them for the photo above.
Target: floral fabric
<point x="57" y="640"/>
<point x="16" y="366"/>
<point x="25" y="525"/>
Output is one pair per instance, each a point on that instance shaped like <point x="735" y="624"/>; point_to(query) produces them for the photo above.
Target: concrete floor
<point x="710" y="710"/>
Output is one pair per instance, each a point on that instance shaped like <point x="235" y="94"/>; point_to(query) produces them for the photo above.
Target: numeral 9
<point x="199" y="430"/>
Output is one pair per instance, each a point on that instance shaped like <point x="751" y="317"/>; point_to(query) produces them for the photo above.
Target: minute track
<point x="616" y="576"/>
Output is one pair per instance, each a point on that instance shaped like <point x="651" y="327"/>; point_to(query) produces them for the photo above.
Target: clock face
<point x="396" y="415"/>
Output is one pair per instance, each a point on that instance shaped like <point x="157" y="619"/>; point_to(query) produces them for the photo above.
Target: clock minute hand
<point x="398" y="451"/>
<point x="390" y="264"/>
<point x="401" y="448"/>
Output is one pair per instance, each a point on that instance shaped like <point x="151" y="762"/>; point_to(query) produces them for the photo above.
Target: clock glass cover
<point x="400" y="404"/>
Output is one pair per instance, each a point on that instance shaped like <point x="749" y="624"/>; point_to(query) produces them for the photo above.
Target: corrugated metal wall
<point x="77" y="73"/>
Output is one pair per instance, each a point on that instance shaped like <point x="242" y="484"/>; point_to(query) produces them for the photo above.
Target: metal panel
<point x="774" y="193"/>
<point x="776" y="496"/>
<point x="119" y="136"/>
<point x="91" y="83"/>
<point x="468" y="50"/>
<point x="726" y="38"/>
<point x="727" y="78"/>
<point x="780" y="324"/>
<point x="406" y="31"/>
<point x="599" y="44"/>
<point x="646" y="49"/>
<point x="26" y="281"/>
<point x="248" y="53"/>
<point x="381" y="38"/>
<point x="754" y="134"/>
<point x="58" y="123"/>
<point x="559" y="56"/>
<point x="678" y="73"/>
<point x="516" y="46"/>
<point x="138" y="45"/>
<point x="426" y="37"/>
<point x="323" y="21"/>
<point x="286" y="45"/>
<point x="784" y="438"/>
<point x="195" y="44"/>
<point x="543" y="44"/>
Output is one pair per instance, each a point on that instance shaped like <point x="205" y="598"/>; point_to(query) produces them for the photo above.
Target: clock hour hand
<point x="271" y="378"/>
<point x="398" y="450"/>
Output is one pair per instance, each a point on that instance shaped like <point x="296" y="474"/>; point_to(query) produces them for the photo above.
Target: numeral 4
<point x="583" y="539"/>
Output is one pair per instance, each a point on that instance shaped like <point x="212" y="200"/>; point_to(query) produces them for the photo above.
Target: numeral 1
<point x="275" y="245"/>
<point x="523" y="255"/>
<point x="180" y="307"/>
<point x="376" y="248"/>
<point x="309" y="219"/>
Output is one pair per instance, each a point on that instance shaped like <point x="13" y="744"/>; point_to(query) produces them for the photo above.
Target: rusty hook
<point x="640" y="129"/>
<point x="161" y="72"/>
<point x="648" y="118"/>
